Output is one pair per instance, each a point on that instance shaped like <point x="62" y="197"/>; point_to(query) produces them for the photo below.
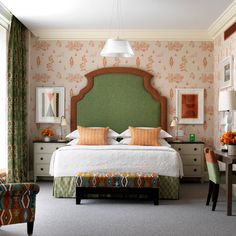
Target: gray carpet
<point x="184" y="217"/>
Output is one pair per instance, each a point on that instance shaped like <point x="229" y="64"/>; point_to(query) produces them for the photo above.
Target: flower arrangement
<point x="47" y="132"/>
<point x="228" y="137"/>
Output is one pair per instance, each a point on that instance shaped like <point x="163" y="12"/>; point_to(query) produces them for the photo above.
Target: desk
<point x="229" y="161"/>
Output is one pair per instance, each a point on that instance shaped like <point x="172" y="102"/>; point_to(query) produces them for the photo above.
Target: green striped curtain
<point x="17" y="103"/>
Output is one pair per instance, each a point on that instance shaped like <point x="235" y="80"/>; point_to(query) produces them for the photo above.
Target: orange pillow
<point x="145" y="137"/>
<point x="93" y="136"/>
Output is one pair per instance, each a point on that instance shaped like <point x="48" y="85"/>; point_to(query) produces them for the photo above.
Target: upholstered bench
<point x="116" y="183"/>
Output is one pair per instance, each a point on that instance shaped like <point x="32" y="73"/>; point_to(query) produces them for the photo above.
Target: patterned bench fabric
<point x="64" y="187"/>
<point x="118" y="179"/>
<point x="17" y="203"/>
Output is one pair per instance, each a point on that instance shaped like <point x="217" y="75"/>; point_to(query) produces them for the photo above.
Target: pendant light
<point x="117" y="47"/>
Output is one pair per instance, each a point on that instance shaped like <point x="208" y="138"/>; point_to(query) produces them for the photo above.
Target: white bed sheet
<point x="69" y="160"/>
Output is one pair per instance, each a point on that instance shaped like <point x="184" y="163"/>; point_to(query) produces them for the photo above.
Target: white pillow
<point x="110" y="142"/>
<point x="163" y="142"/>
<point x="163" y="133"/>
<point x="75" y="134"/>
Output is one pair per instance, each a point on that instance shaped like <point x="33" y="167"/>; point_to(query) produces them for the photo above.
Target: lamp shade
<point x="227" y="100"/>
<point x="117" y="48"/>
<point x="174" y="123"/>
<point x="63" y="121"/>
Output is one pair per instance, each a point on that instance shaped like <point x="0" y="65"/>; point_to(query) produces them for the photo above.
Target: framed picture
<point x="226" y="72"/>
<point x="190" y="106"/>
<point x="49" y="104"/>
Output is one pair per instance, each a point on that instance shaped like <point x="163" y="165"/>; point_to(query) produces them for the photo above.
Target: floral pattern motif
<point x="174" y="65"/>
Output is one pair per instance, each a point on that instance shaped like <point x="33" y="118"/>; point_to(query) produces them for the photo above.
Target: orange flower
<point x="47" y="132"/>
<point x="228" y="137"/>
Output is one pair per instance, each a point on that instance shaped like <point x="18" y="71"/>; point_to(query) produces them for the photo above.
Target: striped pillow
<point x="145" y="137"/>
<point x="93" y="136"/>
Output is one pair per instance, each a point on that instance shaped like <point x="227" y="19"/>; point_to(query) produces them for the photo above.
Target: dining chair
<point x="216" y="177"/>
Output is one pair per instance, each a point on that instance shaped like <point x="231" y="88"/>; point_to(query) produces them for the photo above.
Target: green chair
<point x="216" y="177"/>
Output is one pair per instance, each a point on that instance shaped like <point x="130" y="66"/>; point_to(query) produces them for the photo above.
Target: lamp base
<point x="177" y="140"/>
<point x="61" y="140"/>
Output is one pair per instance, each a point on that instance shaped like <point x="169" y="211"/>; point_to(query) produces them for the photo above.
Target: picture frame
<point x="226" y="72"/>
<point x="190" y="106"/>
<point x="50" y="104"/>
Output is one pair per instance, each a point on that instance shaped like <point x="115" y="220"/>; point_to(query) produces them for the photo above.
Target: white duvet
<point x="69" y="160"/>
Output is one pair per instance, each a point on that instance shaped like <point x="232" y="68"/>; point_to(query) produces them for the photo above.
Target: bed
<point x="117" y="97"/>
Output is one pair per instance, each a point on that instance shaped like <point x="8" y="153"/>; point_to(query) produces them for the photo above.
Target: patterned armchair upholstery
<point x="17" y="204"/>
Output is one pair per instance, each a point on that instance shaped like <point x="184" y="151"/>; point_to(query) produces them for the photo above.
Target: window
<point x="3" y="97"/>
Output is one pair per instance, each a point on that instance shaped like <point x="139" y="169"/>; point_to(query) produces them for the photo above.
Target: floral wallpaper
<point x="222" y="50"/>
<point x="174" y="65"/>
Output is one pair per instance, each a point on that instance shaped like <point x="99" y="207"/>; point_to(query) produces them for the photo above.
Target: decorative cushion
<point x="145" y="137"/>
<point x="93" y="136"/>
<point x="118" y="179"/>
<point x="110" y="141"/>
<point x="75" y="134"/>
<point x="127" y="134"/>
<point x="162" y="142"/>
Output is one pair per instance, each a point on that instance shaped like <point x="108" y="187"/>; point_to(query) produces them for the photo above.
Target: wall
<point x="173" y="64"/>
<point x="222" y="49"/>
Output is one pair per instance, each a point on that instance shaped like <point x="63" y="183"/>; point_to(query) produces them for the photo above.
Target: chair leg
<point x="215" y="196"/>
<point x="30" y="227"/>
<point x="210" y="189"/>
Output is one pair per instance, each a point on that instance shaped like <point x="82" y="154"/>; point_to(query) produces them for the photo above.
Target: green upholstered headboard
<point x="118" y="97"/>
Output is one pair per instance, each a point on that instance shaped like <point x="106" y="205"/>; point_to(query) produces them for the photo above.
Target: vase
<point x="46" y="139"/>
<point x="231" y="149"/>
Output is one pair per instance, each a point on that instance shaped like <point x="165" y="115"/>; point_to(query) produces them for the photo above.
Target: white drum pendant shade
<point x="117" y="48"/>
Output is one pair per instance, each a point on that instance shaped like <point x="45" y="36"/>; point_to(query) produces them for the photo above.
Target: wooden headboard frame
<point x="147" y="77"/>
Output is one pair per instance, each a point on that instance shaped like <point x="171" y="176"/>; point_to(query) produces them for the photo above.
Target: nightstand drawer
<point x="42" y="158"/>
<point x="191" y="159"/>
<point x="192" y="171"/>
<point x="42" y="170"/>
<point x="47" y="147"/>
<point x="188" y="149"/>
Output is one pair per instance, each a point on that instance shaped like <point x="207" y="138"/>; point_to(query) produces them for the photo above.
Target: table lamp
<point x="227" y="103"/>
<point x="175" y="124"/>
<point x="62" y="123"/>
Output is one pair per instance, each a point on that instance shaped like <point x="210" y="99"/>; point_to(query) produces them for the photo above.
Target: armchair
<point x="17" y="204"/>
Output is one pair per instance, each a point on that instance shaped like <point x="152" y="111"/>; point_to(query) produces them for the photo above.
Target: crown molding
<point x="224" y="21"/>
<point x="131" y="34"/>
<point x="5" y="16"/>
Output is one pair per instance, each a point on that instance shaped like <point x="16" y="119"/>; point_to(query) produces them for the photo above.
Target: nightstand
<point x="192" y="157"/>
<point x="42" y="157"/>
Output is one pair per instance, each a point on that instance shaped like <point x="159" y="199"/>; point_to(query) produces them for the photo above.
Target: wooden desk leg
<point x="229" y="188"/>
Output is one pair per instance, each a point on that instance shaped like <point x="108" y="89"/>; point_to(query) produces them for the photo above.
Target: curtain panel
<point x="17" y="103"/>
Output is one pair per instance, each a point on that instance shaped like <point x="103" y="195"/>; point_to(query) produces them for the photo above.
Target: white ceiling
<point x="136" y="14"/>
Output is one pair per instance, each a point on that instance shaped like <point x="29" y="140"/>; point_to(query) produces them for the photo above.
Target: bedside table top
<point x="51" y="141"/>
<point x="186" y="142"/>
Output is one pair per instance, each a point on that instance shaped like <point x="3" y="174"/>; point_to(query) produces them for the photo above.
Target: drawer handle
<point x="57" y="148"/>
<point x="195" y="149"/>
<point x="195" y="170"/>
<point x="179" y="149"/>
<point x="41" y="158"/>
<point x="41" y="169"/>
<point x="41" y="148"/>
<point x="195" y="159"/>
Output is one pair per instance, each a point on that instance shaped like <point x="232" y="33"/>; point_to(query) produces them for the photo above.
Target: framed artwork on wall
<point x="49" y="104"/>
<point x="226" y="72"/>
<point x="190" y="106"/>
